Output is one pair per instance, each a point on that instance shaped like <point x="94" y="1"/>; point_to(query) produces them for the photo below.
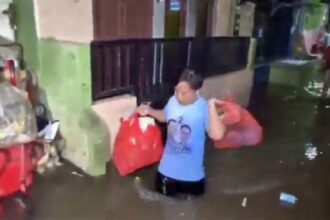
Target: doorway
<point x="175" y="18"/>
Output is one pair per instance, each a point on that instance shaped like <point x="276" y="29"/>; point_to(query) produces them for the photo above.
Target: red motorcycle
<point x="16" y="170"/>
<point x="16" y="164"/>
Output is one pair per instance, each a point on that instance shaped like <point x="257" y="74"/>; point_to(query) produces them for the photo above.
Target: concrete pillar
<point x="191" y="16"/>
<point x="158" y="19"/>
<point x="246" y="23"/>
<point x="62" y="44"/>
<point x="223" y="18"/>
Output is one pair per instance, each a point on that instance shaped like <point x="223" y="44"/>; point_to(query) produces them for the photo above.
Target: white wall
<point x="66" y="20"/>
<point x="222" y="18"/>
<point x="158" y="19"/>
<point x="120" y="107"/>
<point x="191" y="18"/>
<point x="6" y="30"/>
<point x="247" y="19"/>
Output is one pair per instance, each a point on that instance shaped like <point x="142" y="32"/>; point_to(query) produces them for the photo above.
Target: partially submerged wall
<point x="65" y="79"/>
<point x="61" y="58"/>
<point x="111" y="111"/>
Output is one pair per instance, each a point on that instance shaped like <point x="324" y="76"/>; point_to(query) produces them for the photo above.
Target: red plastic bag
<point x="241" y="127"/>
<point x="317" y="48"/>
<point x="136" y="148"/>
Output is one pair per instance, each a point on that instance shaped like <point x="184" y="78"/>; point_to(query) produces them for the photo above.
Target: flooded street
<point x="243" y="184"/>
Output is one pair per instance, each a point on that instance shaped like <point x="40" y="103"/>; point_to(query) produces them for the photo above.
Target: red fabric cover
<point x="9" y="67"/>
<point x="135" y="149"/>
<point x="16" y="169"/>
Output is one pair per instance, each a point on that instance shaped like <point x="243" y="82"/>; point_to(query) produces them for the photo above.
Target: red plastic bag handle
<point x="10" y="66"/>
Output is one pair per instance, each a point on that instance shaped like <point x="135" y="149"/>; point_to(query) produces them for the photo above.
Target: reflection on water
<point x="310" y="151"/>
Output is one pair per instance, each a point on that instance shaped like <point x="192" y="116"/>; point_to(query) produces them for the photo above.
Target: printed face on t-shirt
<point x="178" y="135"/>
<point x="185" y="133"/>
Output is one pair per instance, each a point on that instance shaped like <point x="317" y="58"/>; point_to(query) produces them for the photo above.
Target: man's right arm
<point x="146" y="110"/>
<point x="157" y="114"/>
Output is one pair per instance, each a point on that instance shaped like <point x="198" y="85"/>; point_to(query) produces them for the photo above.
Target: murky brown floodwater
<point x="257" y="174"/>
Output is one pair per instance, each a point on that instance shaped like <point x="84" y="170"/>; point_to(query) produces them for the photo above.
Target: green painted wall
<point x="26" y="32"/>
<point x="65" y="79"/>
<point x="64" y="75"/>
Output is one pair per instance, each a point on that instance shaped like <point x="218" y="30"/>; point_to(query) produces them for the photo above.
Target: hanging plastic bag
<point x="17" y="120"/>
<point x="241" y="127"/>
<point x="317" y="48"/>
<point x="137" y="145"/>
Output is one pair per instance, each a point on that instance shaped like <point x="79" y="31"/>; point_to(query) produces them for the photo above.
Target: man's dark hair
<point x="194" y="79"/>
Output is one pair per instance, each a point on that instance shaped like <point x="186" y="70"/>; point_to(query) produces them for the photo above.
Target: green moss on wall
<point x="65" y="77"/>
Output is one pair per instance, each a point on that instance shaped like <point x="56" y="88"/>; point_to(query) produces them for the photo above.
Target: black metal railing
<point x="149" y="68"/>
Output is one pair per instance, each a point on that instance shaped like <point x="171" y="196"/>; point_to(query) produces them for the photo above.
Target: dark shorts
<point x="171" y="187"/>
